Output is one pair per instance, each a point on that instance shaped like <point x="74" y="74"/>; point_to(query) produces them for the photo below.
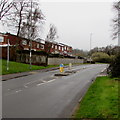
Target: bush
<point x="114" y="67"/>
<point x="101" y="57"/>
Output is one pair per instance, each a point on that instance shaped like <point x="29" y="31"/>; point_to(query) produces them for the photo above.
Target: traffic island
<point x="66" y="73"/>
<point x="62" y="74"/>
<point x="71" y="71"/>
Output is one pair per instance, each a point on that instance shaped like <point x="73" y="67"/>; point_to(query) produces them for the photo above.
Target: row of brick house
<point x="37" y="45"/>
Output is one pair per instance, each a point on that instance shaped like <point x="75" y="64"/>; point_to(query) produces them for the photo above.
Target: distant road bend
<point x="43" y="95"/>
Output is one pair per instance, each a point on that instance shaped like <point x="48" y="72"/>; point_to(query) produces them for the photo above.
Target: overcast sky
<point x="76" y="20"/>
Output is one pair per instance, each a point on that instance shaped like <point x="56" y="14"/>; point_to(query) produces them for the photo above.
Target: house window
<point x="65" y="48"/>
<point x="38" y="45"/>
<point x="56" y="47"/>
<point x="35" y="45"/>
<point x="42" y="46"/>
<point x="59" y="48"/>
<point x="1" y="39"/>
<point x="24" y="42"/>
<point x="29" y="43"/>
<point x="52" y="46"/>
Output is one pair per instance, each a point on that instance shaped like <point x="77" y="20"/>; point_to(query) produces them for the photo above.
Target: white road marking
<point x="80" y="100"/>
<point x="25" y="86"/>
<point x="31" y="82"/>
<point x="51" y="80"/>
<point x="43" y="81"/>
<point x="103" y="70"/>
<point x="18" y="91"/>
<point x="46" y="82"/>
<point x="40" y="84"/>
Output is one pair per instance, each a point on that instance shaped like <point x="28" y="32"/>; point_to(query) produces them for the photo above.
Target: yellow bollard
<point x="70" y="66"/>
<point x="61" y="68"/>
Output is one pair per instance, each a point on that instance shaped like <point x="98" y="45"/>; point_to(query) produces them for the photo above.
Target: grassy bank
<point x="101" y="100"/>
<point x="15" y="67"/>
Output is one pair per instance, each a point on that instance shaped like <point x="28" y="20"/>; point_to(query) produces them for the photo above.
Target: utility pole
<point x="31" y="41"/>
<point x="90" y="41"/>
<point x="118" y="23"/>
<point x="90" y="44"/>
<point x="8" y="55"/>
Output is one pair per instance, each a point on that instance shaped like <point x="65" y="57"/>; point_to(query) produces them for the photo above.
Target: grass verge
<point x="101" y="100"/>
<point x="15" y="67"/>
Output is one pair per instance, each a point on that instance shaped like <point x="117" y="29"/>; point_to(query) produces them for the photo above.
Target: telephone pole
<point x="90" y="45"/>
<point x="8" y="55"/>
<point x="90" y="41"/>
<point x="119" y="24"/>
<point x="31" y="40"/>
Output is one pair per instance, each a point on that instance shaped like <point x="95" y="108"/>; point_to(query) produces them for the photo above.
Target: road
<point x="43" y="95"/>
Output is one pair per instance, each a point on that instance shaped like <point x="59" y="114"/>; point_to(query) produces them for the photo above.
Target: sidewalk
<point x="16" y="75"/>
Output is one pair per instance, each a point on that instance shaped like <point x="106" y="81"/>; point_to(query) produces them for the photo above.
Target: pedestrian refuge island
<point x="65" y="72"/>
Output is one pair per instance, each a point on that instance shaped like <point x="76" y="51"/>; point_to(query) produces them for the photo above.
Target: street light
<point x="8" y="55"/>
<point x="30" y="54"/>
<point x="90" y="41"/>
<point x="90" y="44"/>
<point x="31" y="42"/>
<point x="118" y="23"/>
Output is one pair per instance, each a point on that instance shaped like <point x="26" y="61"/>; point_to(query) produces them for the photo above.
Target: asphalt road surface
<point x="43" y="95"/>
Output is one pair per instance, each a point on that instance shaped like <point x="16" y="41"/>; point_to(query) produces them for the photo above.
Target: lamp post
<point x="31" y="41"/>
<point x="30" y="54"/>
<point x="118" y="23"/>
<point x="8" y="55"/>
<point x="90" y="40"/>
<point x="90" y="44"/>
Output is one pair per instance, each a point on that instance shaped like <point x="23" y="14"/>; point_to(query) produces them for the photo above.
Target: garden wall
<point x="57" y="61"/>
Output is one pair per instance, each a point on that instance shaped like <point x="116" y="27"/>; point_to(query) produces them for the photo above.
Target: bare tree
<point x="51" y="36"/>
<point x="116" y="20"/>
<point x="26" y="16"/>
<point x="30" y="26"/>
<point x="18" y="14"/>
<point x="5" y="7"/>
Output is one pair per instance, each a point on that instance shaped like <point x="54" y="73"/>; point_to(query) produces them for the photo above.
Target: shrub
<point x="114" y="67"/>
<point x="101" y="57"/>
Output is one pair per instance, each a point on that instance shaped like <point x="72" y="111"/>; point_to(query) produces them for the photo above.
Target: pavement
<point x="16" y="75"/>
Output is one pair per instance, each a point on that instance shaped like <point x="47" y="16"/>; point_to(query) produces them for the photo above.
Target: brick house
<point x="65" y="49"/>
<point x="20" y="43"/>
<point x="23" y="43"/>
<point x="37" y="45"/>
<point x="58" y="48"/>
